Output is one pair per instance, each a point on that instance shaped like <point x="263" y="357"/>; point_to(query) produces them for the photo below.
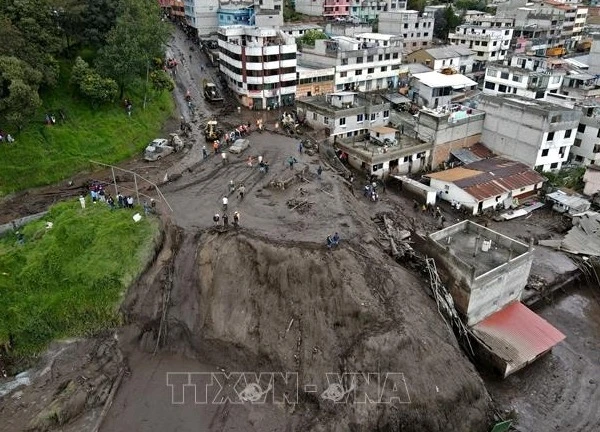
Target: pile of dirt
<point x="74" y="378"/>
<point x="246" y="303"/>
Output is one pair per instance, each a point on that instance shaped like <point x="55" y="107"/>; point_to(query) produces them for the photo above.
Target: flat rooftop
<point x="359" y="101"/>
<point x="369" y="151"/>
<point x="465" y="241"/>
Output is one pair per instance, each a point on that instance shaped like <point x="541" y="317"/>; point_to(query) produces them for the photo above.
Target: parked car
<point x="239" y="145"/>
<point x="158" y="149"/>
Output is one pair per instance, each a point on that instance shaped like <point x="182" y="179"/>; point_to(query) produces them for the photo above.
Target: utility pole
<point x="146" y="86"/>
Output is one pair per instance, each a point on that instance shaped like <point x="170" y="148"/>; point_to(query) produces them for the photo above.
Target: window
<point x="369" y="58"/>
<point x="568" y="133"/>
<point x="516" y="78"/>
<point x="395" y="55"/>
<point x="384" y="68"/>
<point x="344" y="62"/>
<point x="326" y="120"/>
<point x="577" y="142"/>
<point x="359" y="60"/>
<point x="386" y="113"/>
<point x="578" y="158"/>
<point x="550" y="136"/>
<point x="544" y="152"/>
<point x="343" y="74"/>
<point x="554" y="165"/>
<point x="561" y="151"/>
<point x="581" y="128"/>
<point x="314" y="116"/>
<point x="360" y="118"/>
<point x="371" y="70"/>
<point x="490" y="85"/>
<point x="406" y="159"/>
<point x="504" y="75"/>
<point x="501" y="88"/>
<point x="373" y="117"/>
<point x="555" y="119"/>
<point x="343" y="121"/>
<point x="358" y="72"/>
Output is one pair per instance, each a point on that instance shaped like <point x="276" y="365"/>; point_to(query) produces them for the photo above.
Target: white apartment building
<point x="489" y="37"/>
<point x="433" y="89"/>
<point x="453" y="59"/>
<point x="536" y="133"/>
<point x="586" y="148"/>
<point x="415" y="28"/>
<point x="526" y="76"/>
<point x="366" y="62"/>
<point x="344" y="114"/>
<point x="259" y="65"/>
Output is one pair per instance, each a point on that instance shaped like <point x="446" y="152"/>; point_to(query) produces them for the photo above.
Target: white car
<point x="239" y="146"/>
<point x="157" y="149"/>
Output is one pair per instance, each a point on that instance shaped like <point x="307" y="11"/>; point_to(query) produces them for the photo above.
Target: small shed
<point x="566" y="203"/>
<point x="383" y="134"/>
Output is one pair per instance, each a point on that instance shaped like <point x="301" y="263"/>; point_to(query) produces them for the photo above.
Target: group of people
<point x="225" y="219"/>
<point x="99" y="194"/>
<point x="6" y="137"/>
<point x="333" y="241"/>
<point x="370" y="191"/>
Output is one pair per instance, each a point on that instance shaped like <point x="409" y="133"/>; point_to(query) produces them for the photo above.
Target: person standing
<point x="204" y="152"/>
<point x="236" y="219"/>
<point x="225" y="220"/>
<point x="82" y="201"/>
<point x="300" y="147"/>
<point x="225" y="202"/>
<point x="319" y="172"/>
<point x="224" y="157"/>
<point x="216" y="218"/>
<point x="242" y="191"/>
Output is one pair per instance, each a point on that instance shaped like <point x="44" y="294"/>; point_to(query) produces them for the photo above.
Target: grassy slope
<point x="47" y="154"/>
<point x="68" y="280"/>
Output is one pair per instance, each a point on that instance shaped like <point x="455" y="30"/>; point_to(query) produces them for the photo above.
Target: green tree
<point x="70" y="18"/>
<point x="446" y="21"/>
<point x="19" y="97"/>
<point x="418" y="5"/>
<point x="311" y="36"/>
<point x="138" y="36"/>
<point x="97" y="89"/>
<point x="79" y="71"/>
<point x="161" y="81"/>
<point x="99" y="17"/>
<point x="32" y="35"/>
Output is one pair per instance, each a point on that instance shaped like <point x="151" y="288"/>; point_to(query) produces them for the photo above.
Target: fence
<point x="138" y="182"/>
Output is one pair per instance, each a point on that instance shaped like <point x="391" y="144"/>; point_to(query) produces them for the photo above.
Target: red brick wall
<point x="441" y="152"/>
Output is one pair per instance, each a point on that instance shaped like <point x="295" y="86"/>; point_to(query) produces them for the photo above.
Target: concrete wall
<point x="18" y="223"/>
<point x="441" y="152"/>
<point x="454" y="193"/>
<point x="592" y="181"/>
<point x="478" y="296"/>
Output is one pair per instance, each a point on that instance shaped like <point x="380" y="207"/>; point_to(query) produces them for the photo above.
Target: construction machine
<point x="211" y="93"/>
<point x="211" y="132"/>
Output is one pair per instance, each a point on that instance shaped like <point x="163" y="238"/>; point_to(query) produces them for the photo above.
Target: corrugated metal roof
<point x="465" y="155"/>
<point x="454" y="174"/>
<point x="450" y="51"/>
<point x="571" y="201"/>
<point x="517" y="335"/>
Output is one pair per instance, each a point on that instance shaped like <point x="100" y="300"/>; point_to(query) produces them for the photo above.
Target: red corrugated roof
<point x="517" y="335"/>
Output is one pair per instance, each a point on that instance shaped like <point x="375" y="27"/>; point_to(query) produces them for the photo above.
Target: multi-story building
<point x="259" y="65"/>
<point x="536" y="133"/>
<point x="575" y="17"/>
<point x="433" y="89"/>
<point x="345" y="114"/>
<point x="359" y="10"/>
<point x="314" y="82"/>
<point x="175" y="9"/>
<point x="447" y="58"/>
<point x="586" y="148"/>
<point x="369" y="61"/>
<point x="489" y="37"/>
<point x="207" y="15"/>
<point x="527" y="76"/>
<point x="415" y="28"/>
<point x="299" y="30"/>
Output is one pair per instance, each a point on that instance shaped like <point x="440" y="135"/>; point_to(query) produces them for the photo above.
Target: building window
<point x="369" y="59"/>
<point x="578" y="158"/>
<point x="561" y="151"/>
<point x="555" y="119"/>
<point x="386" y="113"/>
<point x="360" y="118"/>
<point x="359" y="60"/>
<point x="581" y="128"/>
<point x="577" y="142"/>
<point x="568" y="133"/>
<point x="544" y="152"/>
<point x="395" y="55"/>
<point x="384" y="68"/>
<point x="326" y="120"/>
<point x="372" y="117"/>
<point x="550" y="136"/>
<point x="343" y="74"/>
<point x="343" y="121"/>
<point x="501" y="88"/>
<point x="490" y="85"/>
<point x="554" y="165"/>
<point x="358" y="72"/>
<point x="371" y="70"/>
<point x="314" y="116"/>
<point x="516" y="78"/>
<point x="504" y="75"/>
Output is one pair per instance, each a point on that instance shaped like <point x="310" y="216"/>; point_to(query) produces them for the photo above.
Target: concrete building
<point x="591" y="179"/>
<point x="451" y="59"/>
<point x="537" y="133"/>
<point x="174" y="9"/>
<point x="527" y="76"/>
<point x="586" y="148"/>
<point x="486" y="273"/>
<point x="489" y="37"/>
<point x="365" y="62"/>
<point x="329" y="9"/>
<point x="259" y="65"/>
<point x="314" y="82"/>
<point x="299" y="30"/>
<point x="409" y="155"/>
<point x="350" y="29"/>
<point x="433" y="89"/>
<point x="486" y="184"/>
<point x="447" y="129"/>
<point x="575" y="17"/>
<point x="535" y="30"/>
<point x="344" y="114"/>
<point x="416" y="28"/>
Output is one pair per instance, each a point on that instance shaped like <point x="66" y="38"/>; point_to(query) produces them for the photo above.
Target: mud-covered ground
<point x="270" y="297"/>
